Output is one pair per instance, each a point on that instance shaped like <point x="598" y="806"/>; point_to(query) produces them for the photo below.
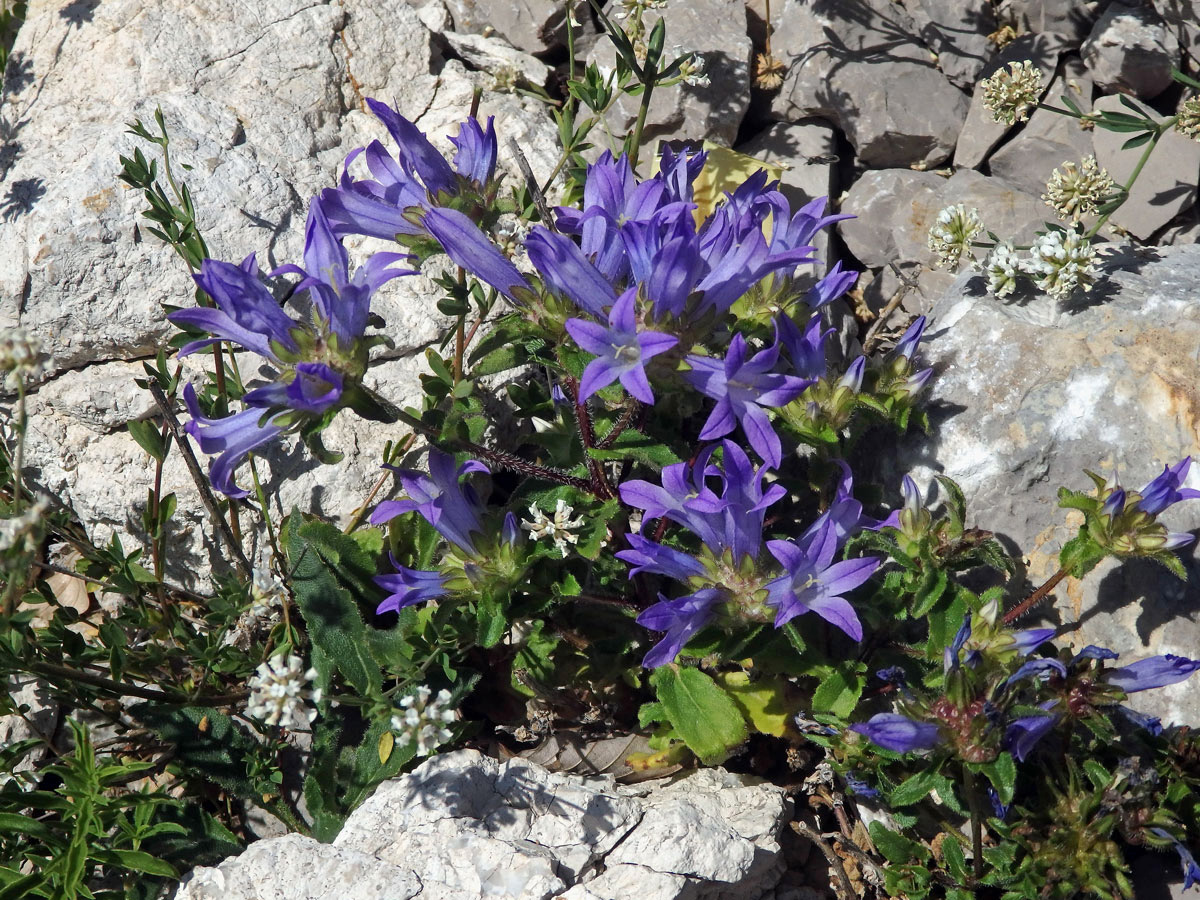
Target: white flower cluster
<point x="637" y="7"/>
<point x="424" y="720"/>
<point x="1076" y="191"/>
<point x="952" y="232"/>
<point x="20" y="357"/>
<point x="1060" y="262"/>
<point x="692" y="69"/>
<point x="279" y="692"/>
<point x="1011" y="93"/>
<point x="267" y="596"/>
<point x="1187" y="122"/>
<point x="557" y="529"/>
<point x="20" y="532"/>
<point x="1001" y="269"/>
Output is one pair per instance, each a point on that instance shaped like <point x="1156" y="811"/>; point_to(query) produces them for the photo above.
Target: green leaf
<point x="1138" y="140"/>
<point x="326" y="566"/>
<point x="913" y="789"/>
<point x="1002" y="773"/>
<point x="1097" y="774"/>
<point x="632" y="444"/>
<point x="491" y="622"/>
<point x="135" y="861"/>
<point x="707" y="719"/>
<point x="896" y="848"/>
<point x="763" y="702"/>
<point x="839" y="691"/>
<point x="148" y="438"/>
<point x="956" y="860"/>
<point x="1184" y="79"/>
<point x="22" y="887"/>
<point x="1081" y="554"/>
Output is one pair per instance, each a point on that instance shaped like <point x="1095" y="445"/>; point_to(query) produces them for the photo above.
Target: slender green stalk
<point x="976" y="821"/>
<point x="640" y="125"/>
<point x="1133" y="176"/>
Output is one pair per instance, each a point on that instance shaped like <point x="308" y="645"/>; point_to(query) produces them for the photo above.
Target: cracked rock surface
<point x="464" y="826"/>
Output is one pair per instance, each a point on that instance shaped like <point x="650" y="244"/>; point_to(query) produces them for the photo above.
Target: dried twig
<point x="845" y="890"/>
<point x="873" y="333"/>
<point x="535" y="191"/>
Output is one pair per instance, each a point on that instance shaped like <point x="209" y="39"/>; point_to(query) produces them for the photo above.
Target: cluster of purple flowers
<point x="320" y="359"/>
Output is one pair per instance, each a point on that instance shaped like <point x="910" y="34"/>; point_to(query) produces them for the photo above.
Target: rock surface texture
<point x="1027" y="396"/>
<point x="465" y="826"/>
<point x="263" y="102"/>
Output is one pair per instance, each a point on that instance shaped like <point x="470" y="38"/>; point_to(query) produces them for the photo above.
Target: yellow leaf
<point x="762" y="702"/>
<point x="386" y="741"/>
<point x="725" y="170"/>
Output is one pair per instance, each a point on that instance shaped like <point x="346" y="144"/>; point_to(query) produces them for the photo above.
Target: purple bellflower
<point x="1023" y="734"/>
<point x="742" y="388"/>
<point x="806" y="349"/>
<point x="898" y="733"/>
<point x="1191" y="871"/>
<point x="835" y="283"/>
<point x="408" y="587"/>
<point x="316" y="358"/>
<point x="418" y="178"/>
<point x="1154" y="672"/>
<point x="449" y="506"/>
<point x="1165" y="490"/>
<point x="814" y="583"/>
<point x="680" y="618"/>
<point x="621" y="350"/>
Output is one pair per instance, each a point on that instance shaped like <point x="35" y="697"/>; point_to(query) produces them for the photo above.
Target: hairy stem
<point x="1035" y="598"/>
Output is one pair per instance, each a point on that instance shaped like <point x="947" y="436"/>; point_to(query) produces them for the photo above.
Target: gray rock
<point x="895" y="209"/>
<point x="958" y="33"/>
<point x="264" y="106"/>
<point x="1073" y="20"/>
<point x="1131" y="49"/>
<point x="1109" y="386"/>
<point x="1183" y="16"/>
<point x="861" y="65"/>
<point x="498" y="59"/>
<point x="464" y="826"/>
<point x="980" y="132"/>
<point x="534" y="26"/>
<point x="1165" y="187"/>
<point x="716" y="30"/>
<point x="805" y="150"/>
<point x="1048" y="139"/>
<point x="38" y="718"/>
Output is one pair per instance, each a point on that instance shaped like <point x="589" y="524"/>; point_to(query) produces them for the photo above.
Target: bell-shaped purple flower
<point x="566" y="271"/>
<point x="806" y="349"/>
<point x="1155" y="672"/>
<point x="680" y="618"/>
<point x="835" y="283"/>
<point x="621" y="350"/>
<point x="245" y="311"/>
<point x="314" y="389"/>
<point x="898" y="733"/>
<point x="476" y="151"/>
<point x="408" y="587"/>
<point x="470" y="248"/>
<point x="1165" y="490"/>
<point x="1029" y="639"/>
<point x="814" y="583"/>
<point x="742" y="388"/>
<point x="1023" y="734"/>
<point x="449" y="506"/>
<point x="232" y="437"/>
<point x="1191" y="871"/>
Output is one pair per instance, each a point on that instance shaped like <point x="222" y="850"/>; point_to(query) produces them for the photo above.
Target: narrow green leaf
<point x="913" y="789"/>
<point x="896" y="848"/>
<point x="148" y="438"/>
<point x="839" y="691"/>
<point x="956" y="860"/>
<point x="22" y="887"/>
<point x="707" y="719"/>
<point x="135" y="861"/>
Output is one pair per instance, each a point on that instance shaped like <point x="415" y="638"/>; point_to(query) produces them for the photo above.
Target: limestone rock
<point x="464" y="826"/>
<point x="1072" y="20"/>
<point x="264" y="103"/>
<point x="862" y="66"/>
<point x="1131" y="49"/>
<point x="1110" y="386"/>
<point x="1165" y="187"/>
<point x="534" y="26"/>
<point x="715" y="30"/>
<point x="895" y="209"/>
<point x="957" y="32"/>
<point x="498" y="59"/>
<point x="980" y="132"/>
<point x="1183" y="16"/>
<point x="1048" y="139"/>
<point x="260" y="873"/>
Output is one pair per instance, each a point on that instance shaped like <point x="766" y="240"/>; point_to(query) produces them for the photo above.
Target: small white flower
<point x="1075" y="191"/>
<point x="1060" y="262"/>
<point x="424" y="721"/>
<point x="279" y="692"/>
<point x="951" y="235"/>
<point x="1011" y="93"/>
<point x="1002" y="268"/>
<point x="1188" y="120"/>
<point x="557" y="529"/>
<point x="20" y="357"/>
<point x="692" y="69"/>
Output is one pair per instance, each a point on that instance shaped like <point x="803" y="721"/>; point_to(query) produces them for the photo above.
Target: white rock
<point x="498" y="58"/>
<point x="466" y="827"/>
